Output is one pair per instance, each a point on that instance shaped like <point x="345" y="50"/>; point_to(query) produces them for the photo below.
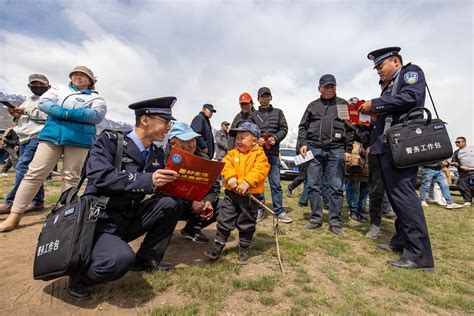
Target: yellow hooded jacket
<point x="251" y="166"/>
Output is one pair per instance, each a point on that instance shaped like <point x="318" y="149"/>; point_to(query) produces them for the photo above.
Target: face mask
<point x="39" y="90"/>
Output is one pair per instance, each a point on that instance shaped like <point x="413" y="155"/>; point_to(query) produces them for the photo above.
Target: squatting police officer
<point x="404" y="89"/>
<point x="127" y="215"/>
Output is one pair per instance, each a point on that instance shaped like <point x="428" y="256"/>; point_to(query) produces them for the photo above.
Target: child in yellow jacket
<point x="246" y="168"/>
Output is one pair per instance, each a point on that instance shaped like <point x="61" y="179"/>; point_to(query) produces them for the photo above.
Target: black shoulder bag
<point x="66" y="239"/>
<point x="417" y="141"/>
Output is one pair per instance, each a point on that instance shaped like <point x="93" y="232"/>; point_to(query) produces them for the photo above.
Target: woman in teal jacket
<point x="73" y="112"/>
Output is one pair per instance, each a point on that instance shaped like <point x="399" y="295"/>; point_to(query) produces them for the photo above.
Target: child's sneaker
<point x="243" y="255"/>
<point x="215" y="251"/>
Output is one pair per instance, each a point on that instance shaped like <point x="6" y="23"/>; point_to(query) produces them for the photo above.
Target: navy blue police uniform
<point x="411" y="237"/>
<point x="128" y="214"/>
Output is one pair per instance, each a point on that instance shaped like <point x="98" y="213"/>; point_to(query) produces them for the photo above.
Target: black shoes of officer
<point x="389" y="248"/>
<point x="194" y="235"/>
<point x="77" y="290"/>
<point x="311" y="226"/>
<point x="149" y="265"/>
<point x="215" y="251"/>
<point x="336" y="231"/>
<point x="302" y="204"/>
<point x="243" y="255"/>
<point x="407" y="264"/>
<point x="289" y="193"/>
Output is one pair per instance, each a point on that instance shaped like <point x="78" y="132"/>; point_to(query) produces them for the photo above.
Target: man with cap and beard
<point x="403" y="90"/>
<point x="30" y="121"/>
<point x="128" y="215"/>
<point x="201" y="124"/>
<point x="330" y="140"/>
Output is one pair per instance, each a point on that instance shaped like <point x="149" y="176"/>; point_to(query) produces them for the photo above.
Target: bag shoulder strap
<point x="431" y="98"/>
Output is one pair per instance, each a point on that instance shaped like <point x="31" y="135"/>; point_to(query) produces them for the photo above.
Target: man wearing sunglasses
<point x="463" y="159"/>
<point x="128" y="215"/>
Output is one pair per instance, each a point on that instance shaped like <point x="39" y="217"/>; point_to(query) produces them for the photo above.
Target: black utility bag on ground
<point x="417" y="141"/>
<point x="66" y="239"/>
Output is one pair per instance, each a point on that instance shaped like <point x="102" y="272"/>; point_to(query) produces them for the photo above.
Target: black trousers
<point x="111" y="255"/>
<point x="411" y="231"/>
<point x="376" y="191"/>
<point x="300" y="178"/>
<point x="237" y="211"/>
<point x="464" y="186"/>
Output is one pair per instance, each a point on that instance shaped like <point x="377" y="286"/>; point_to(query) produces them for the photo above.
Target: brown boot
<point x="12" y="222"/>
<point x="5" y="209"/>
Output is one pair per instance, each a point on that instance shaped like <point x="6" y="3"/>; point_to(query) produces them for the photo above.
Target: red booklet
<point x="356" y="117"/>
<point x="196" y="175"/>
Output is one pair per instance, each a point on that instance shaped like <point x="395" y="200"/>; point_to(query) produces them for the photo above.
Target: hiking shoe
<point x="194" y="235"/>
<point x="34" y="208"/>
<point x="284" y="218"/>
<point x="260" y="215"/>
<point x="243" y="255"/>
<point x="374" y="232"/>
<point x="302" y="204"/>
<point x="356" y="217"/>
<point x="215" y="251"/>
<point x="467" y="204"/>
<point x="289" y="192"/>
<point x="5" y="209"/>
<point x="424" y="204"/>
<point x="452" y="206"/>
<point x="311" y="226"/>
<point x="336" y="231"/>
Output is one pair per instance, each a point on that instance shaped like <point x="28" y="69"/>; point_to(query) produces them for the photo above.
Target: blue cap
<point x="327" y="79"/>
<point x="157" y="106"/>
<point x="245" y="127"/>
<point x="379" y="55"/>
<point x="182" y="131"/>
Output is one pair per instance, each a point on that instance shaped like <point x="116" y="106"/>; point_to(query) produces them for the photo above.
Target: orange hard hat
<point x="245" y="98"/>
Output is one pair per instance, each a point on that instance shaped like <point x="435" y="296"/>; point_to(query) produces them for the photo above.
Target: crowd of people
<point x="60" y="121"/>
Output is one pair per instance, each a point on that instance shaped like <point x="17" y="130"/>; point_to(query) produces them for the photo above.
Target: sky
<point x="212" y="51"/>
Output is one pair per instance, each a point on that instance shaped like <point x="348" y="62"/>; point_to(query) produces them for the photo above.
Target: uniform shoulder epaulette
<point x="110" y="133"/>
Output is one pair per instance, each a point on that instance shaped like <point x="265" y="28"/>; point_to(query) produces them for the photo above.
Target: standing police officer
<point x="127" y="215"/>
<point x="403" y="90"/>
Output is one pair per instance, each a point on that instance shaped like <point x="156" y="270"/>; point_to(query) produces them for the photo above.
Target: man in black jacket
<point x="326" y="135"/>
<point x="246" y="106"/>
<point x="202" y="126"/>
<point x="273" y="127"/>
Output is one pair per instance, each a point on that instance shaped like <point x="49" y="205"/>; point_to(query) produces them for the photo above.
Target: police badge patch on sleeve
<point x="410" y="77"/>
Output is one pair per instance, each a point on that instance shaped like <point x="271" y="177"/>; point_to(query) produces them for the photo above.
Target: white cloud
<point x="210" y="52"/>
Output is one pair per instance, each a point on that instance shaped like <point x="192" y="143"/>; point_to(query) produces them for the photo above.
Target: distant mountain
<point x="6" y="120"/>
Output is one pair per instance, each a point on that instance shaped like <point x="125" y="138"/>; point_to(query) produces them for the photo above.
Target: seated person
<point x="246" y="168"/>
<point x="128" y="215"/>
<point x="198" y="214"/>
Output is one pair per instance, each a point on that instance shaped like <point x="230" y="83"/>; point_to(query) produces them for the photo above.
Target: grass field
<point x="323" y="274"/>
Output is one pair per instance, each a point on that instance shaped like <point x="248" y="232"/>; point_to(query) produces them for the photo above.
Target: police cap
<point x="158" y="106"/>
<point x="379" y="55"/>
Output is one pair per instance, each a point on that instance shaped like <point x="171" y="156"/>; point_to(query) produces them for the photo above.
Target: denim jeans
<point x="327" y="164"/>
<point x="27" y="152"/>
<point x="304" y="194"/>
<point x="275" y="184"/>
<point x="356" y="195"/>
<point x="438" y="176"/>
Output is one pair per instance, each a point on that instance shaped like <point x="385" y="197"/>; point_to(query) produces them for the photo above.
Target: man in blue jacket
<point x="201" y="124"/>
<point x="403" y="90"/>
<point x="128" y="215"/>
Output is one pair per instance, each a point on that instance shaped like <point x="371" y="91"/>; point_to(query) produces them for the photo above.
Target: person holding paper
<point x="327" y="136"/>
<point x="128" y="215"/>
<point x="197" y="214"/>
